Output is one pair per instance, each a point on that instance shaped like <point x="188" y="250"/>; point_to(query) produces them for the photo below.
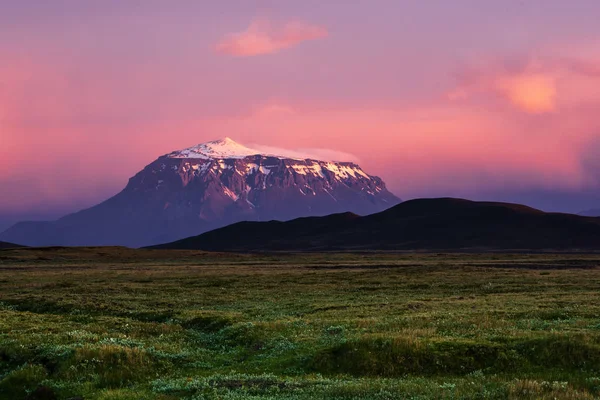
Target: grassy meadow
<point x="111" y="323"/>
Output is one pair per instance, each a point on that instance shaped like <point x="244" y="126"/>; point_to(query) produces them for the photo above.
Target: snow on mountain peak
<point x="216" y="149"/>
<point x="227" y="148"/>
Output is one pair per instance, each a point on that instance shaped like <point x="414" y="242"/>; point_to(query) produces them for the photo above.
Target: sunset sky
<point x="483" y="99"/>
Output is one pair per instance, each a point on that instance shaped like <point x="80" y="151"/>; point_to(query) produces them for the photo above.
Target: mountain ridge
<point x="421" y="224"/>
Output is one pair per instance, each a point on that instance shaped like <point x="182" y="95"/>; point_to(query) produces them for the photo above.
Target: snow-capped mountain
<point x="208" y="186"/>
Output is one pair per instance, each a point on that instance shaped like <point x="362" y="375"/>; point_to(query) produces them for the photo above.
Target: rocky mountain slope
<point x="423" y="224"/>
<point x="208" y="186"/>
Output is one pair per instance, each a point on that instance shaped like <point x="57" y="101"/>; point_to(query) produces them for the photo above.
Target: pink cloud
<point x="532" y="93"/>
<point x="526" y="87"/>
<point x="313" y="153"/>
<point x="535" y="85"/>
<point x="262" y="38"/>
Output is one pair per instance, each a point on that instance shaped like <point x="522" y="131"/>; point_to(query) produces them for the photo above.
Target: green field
<point x="125" y="324"/>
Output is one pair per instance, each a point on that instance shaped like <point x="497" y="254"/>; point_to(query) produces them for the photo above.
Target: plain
<point x="114" y="323"/>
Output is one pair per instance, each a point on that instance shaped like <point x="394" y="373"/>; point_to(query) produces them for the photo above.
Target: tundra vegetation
<point x="113" y="323"/>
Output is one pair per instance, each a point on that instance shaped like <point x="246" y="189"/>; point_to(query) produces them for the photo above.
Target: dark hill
<point x="6" y="245"/>
<point x="423" y="224"/>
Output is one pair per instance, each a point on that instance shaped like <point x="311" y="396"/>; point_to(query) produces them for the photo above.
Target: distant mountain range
<point x="424" y="224"/>
<point x="591" y="213"/>
<point x="6" y="245"/>
<point x="208" y="186"/>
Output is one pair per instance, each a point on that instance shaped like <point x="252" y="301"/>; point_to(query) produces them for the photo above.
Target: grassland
<point x="124" y="324"/>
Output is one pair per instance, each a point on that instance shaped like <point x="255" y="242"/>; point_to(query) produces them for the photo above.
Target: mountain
<point x="591" y="213"/>
<point x="423" y="224"/>
<point x="5" y="245"/>
<point x="208" y="186"/>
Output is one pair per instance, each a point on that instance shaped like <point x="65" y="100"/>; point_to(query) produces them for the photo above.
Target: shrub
<point x="21" y="381"/>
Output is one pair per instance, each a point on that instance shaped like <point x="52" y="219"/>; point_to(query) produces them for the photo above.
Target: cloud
<point x="532" y="85"/>
<point x="532" y="93"/>
<point x="262" y="37"/>
<point x="276" y="112"/>
<point x="526" y="85"/>
<point x="312" y="153"/>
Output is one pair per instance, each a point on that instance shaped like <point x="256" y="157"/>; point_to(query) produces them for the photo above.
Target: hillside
<point x="423" y="224"/>
<point x="6" y="245"/>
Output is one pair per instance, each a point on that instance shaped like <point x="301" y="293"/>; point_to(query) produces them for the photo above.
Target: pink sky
<point x="464" y="97"/>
